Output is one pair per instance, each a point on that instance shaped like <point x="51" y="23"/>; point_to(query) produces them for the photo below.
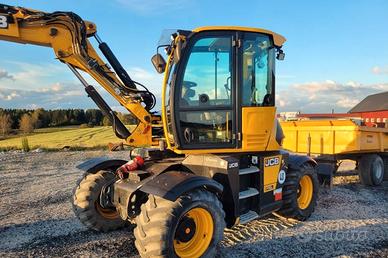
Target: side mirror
<point x="280" y="56"/>
<point x="159" y="63"/>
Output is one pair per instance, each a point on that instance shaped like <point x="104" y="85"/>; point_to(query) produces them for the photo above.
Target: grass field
<point x="57" y="138"/>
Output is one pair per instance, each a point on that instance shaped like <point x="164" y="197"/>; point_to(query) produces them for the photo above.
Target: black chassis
<point x="170" y="178"/>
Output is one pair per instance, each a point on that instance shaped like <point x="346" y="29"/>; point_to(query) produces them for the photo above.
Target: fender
<point x="171" y="185"/>
<point x="295" y="161"/>
<point x="324" y="171"/>
<point x="102" y="163"/>
<point x="128" y="196"/>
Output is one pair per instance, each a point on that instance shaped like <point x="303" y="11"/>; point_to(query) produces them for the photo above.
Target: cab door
<point x="256" y="90"/>
<point x="204" y="92"/>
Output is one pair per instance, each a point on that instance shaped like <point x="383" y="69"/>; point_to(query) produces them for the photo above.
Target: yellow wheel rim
<point x="194" y="233"/>
<point x="106" y="213"/>
<point x="305" y="192"/>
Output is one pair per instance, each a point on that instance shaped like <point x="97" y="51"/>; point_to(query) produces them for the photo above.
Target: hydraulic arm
<point x="68" y="35"/>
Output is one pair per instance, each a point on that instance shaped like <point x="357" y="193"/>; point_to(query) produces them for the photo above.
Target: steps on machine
<point x="246" y="217"/>
<point x="249" y="170"/>
<point x="248" y="193"/>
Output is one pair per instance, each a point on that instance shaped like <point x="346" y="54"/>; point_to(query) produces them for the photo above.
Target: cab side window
<point x="257" y="70"/>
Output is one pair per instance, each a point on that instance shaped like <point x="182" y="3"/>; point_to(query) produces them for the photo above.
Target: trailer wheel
<point x="192" y="226"/>
<point x="86" y="203"/>
<point x="371" y="170"/>
<point x="300" y="192"/>
<point x="385" y="159"/>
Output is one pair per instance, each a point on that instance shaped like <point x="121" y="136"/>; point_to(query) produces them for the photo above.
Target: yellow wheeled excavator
<point x="212" y="159"/>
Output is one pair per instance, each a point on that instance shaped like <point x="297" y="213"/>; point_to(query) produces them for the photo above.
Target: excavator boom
<point x="68" y="35"/>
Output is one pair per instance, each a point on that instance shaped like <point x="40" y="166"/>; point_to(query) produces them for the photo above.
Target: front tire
<point x="300" y="193"/>
<point x="192" y="226"/>
<point x="86" y="203"/>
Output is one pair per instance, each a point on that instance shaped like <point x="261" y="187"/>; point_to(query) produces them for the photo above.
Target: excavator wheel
<point x="371" y="170"/>
<point x="300" y="193"/>
<point x="86" y="203"/>
<point x="192" y="226"/>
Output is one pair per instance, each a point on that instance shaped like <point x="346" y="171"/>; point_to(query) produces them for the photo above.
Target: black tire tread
<point x="290" y="207"/>
<point x="365" y="171"/>
<point x="154" y="223"/>
<point x="385" y="159"/>
<point x="83" y="202"/>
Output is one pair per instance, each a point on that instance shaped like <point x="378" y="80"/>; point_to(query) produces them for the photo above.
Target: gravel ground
<point x="36" y="217"/>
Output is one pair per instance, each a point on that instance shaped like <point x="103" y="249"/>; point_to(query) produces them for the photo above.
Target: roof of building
<point x="324" y="115"/>
<point x="376" y="102"/>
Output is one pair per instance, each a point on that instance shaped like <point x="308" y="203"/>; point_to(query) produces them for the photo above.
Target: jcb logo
<point x="3" y="22"/>
<point x="233" y="165"/>
<point x="271" y="162"/>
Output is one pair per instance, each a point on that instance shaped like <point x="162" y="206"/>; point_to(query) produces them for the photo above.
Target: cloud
<point x="152" y="80"/>
<point x="10" y="95"/>
<point x="34" y="77"/>
<point x="380" y="70"/>
<point x="56" y="87"/>
<point x="5" y="75"/>
<point x="152" y="6"/>
<point x="52" y="86"/>
<point x="70" y="94"/>
<point x="324" y="96"/>
<point x="60" y="95"/>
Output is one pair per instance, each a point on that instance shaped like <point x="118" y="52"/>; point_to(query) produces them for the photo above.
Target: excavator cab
<point x="219" y="81"/>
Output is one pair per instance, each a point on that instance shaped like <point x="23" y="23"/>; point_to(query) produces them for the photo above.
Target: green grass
<point x="57" y="138"/>
<point x="55" y="129"/>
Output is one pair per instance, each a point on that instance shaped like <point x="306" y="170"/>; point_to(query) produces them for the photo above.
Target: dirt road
<point x="36" y="217"/>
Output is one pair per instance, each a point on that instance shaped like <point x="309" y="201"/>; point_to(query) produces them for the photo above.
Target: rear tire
<point x="371" y="170"/>
<point x="192" y="226"/>
<point x="86" y="204"/>
<point x="300" y="193"/>
<point x="385" y="159"/>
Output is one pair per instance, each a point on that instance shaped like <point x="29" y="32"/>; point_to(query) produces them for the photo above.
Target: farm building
<point x="373" y="110"/>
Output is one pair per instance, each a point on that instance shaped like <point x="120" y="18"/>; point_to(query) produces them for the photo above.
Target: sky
<point x="336" y="50"/>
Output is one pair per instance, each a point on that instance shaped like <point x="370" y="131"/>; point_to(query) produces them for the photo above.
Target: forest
<point x="26" y="121"/>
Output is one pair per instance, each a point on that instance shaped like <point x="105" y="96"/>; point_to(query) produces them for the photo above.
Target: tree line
<point x="27" y="120"/>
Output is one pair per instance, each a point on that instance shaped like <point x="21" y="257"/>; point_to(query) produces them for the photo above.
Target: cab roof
<point x="277" y="38"/>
